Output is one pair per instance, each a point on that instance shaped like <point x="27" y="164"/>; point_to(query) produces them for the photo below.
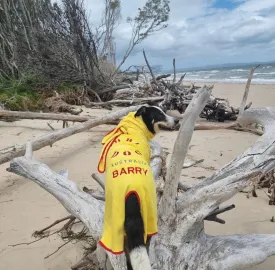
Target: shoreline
<point x="230" y="82"/>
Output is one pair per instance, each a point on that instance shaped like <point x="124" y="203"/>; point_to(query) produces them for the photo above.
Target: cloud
<point x="201" y="32"/>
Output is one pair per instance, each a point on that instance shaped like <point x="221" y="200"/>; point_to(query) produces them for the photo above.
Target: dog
<point x="130" y="217"/>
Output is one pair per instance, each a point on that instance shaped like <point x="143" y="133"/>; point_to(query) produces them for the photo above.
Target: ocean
<point x="265" y="74"/>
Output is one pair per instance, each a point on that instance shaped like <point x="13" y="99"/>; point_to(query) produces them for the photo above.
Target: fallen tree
<point x="181" y="242"/>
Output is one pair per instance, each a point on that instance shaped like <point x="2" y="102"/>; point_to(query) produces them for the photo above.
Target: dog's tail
<point x="134" y="229"/>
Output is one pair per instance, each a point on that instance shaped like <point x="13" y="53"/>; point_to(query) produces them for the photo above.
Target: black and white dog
<point x="135" y="248"/>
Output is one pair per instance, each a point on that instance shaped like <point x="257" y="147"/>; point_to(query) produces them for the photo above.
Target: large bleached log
<point x="168" y="200"/>
<point x="183" y="242"/>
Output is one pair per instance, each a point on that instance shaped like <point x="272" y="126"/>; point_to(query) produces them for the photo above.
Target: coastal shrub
<point x="21" y="94"/>
<point x="29" y="92"/>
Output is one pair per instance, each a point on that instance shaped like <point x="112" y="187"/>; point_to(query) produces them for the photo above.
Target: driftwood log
<point x="181" y="242"/>
<point x="11" y="152"/>
<point x="16" y="115"/>
<point x="126" y="102"/>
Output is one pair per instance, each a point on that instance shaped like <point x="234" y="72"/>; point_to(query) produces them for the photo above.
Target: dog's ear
<point x="140" y="111"/>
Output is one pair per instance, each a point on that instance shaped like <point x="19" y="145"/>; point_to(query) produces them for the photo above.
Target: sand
<point x="25" y="207"/>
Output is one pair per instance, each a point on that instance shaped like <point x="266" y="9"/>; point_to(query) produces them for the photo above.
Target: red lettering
<point x="123" y="171"/>
<point x="131" y="170"/>
<point x="129" y="140"/>
<point x="115" y="174"/>
<point x="117" y="140"/>
<point x="137" y="152"/>
<point x="115" y="154"/>
<point x="127" y="153"/>
<point x="138" y="170"/>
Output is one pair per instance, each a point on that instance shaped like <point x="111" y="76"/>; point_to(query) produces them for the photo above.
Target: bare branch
<point x="193" y="163"/>
<point x="150" y="69"/>
<point x="242" y="107"/>
<point x="98" y="180"/>
<point x="213" y="216"/>
<point x="167" y="204"/>
<point x="174" y="66"/>
<point x="40" y="232"/>
<point x="28" y="154"/>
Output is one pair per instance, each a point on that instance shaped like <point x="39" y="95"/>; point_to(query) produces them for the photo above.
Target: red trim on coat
<point x="115" y="253"/>
<point x="106" y="150"/>
<point x="152" y="234"/>
<point x="132" y="192"/>
<point x="109" y="133"/>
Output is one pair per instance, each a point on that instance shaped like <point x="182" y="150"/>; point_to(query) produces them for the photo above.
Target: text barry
<point x="129" y="170"/>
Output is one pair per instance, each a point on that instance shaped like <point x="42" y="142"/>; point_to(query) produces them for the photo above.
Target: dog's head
<point x="153" y="117"/>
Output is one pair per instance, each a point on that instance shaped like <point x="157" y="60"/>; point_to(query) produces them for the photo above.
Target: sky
<point x="200" y="32"/>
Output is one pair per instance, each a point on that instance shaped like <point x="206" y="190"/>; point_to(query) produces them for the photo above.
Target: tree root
<point x="48" y="256"/>
<point x="267" y="180"/>
<point x="42" y="232"/>
<point x="67" y="234"/>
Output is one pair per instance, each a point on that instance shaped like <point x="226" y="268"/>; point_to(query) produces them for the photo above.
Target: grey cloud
<point x="200" y="34"/>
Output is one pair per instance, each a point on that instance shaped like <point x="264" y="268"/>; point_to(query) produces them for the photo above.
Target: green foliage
<point x="151" y="18"/>
<point x="67" y="86"/>
<point x="29" y="92"/>
<point x="21" y="94"/>
<point x="115" y="4"/>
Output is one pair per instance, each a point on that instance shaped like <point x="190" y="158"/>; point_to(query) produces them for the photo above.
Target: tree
<point x="151" y="18"/>
<point x="110" y="21"/>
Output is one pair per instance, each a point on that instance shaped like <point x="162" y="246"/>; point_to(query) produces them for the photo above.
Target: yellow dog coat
<point x="126" y="159"/>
